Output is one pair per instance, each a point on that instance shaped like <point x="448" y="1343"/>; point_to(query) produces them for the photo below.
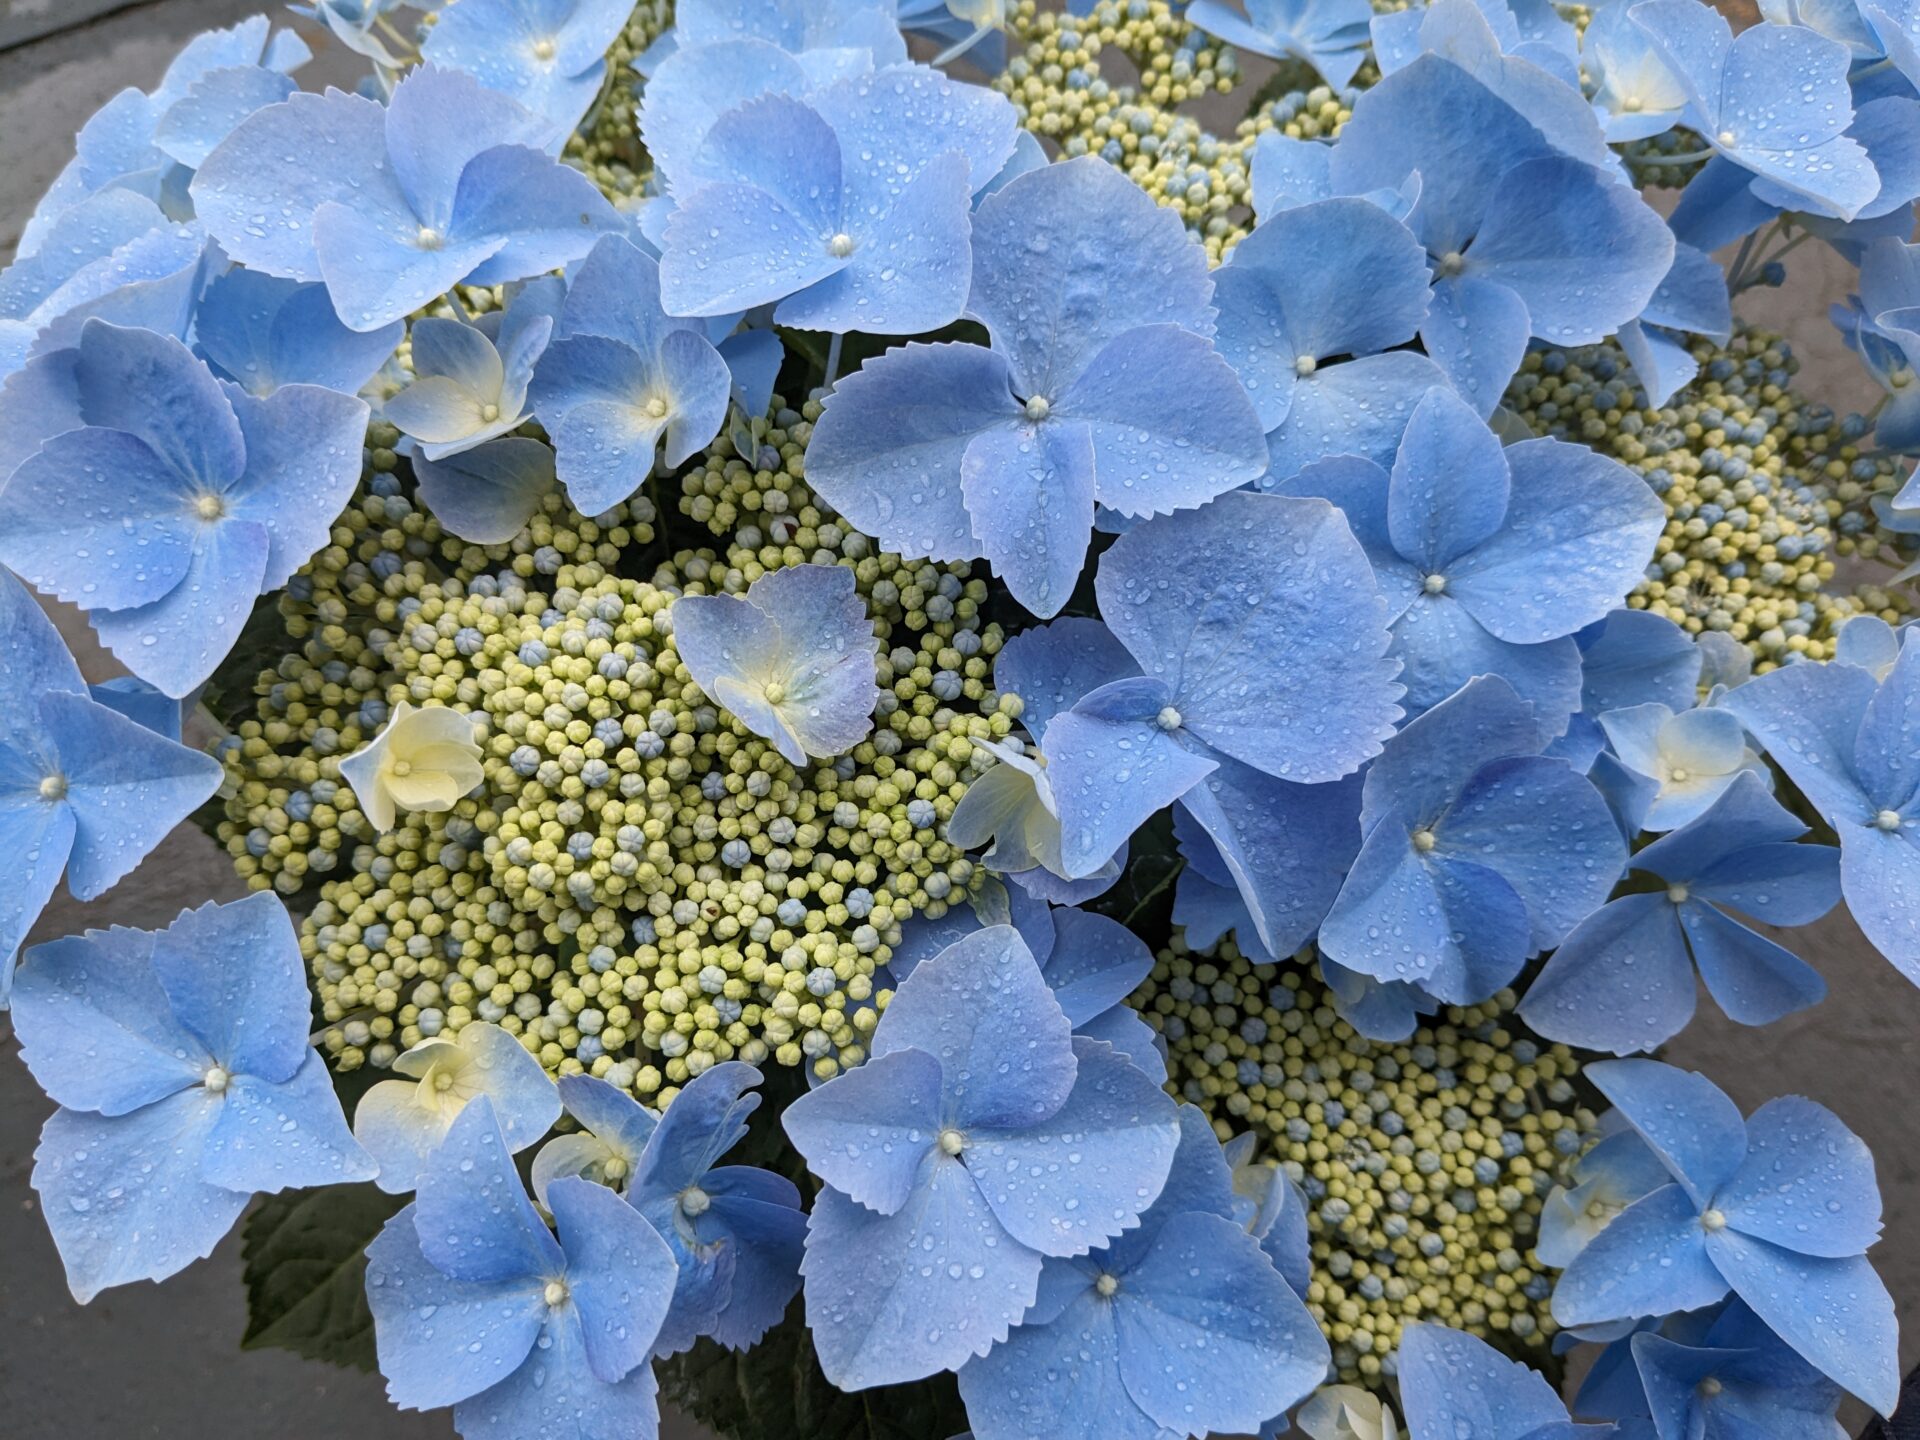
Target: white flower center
<point x="1710" y="1387"/>
<point x="1887" y="820"/>
<point x="216" y="1080"/>
<point x="403" y="768"/>
<point x="209" y="506"/>
<point x="1305" y="365"/>
<point x="1169" y="719"/>
<point x="53" y="788"/>
<point x="1105" y="1286"/>
<point x="543" y="49"/>
<point x="1632" y="104"/>
<point x="775" y="692"/>
<point x="840" y="246"/>
<point x="428" y="238"/>
<point x="1677" y="774"/>
<point x="1726" y="137"/>
<point x="1713" y="1220"/>
<point x="1678" y="894"/>
<point x="489" y="413"/>
<point x="615" y="1168"/>
<point x="1451" y="264"/>
<point x="694" y="1201"/>
<point x="1423" y="840"/>
<point x="656" y="407"/>
<point x="1435" y="584"/>
<point x="952" y="1142"/>
<point x="555" y="1294"/>
<point x="1038" y="408"/>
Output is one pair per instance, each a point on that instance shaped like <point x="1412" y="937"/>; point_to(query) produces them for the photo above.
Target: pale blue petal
<point x="888" y="448"/>
<point x="195" y="125"/>
<point x="900" y="1297"/>
<point x="1621" y="981"/>
<point x="1058" y="1378"/>
<point x="1807" y="1183"/>
<point x="907" y="273"/>
<point x="620" y="1275"/>
<point x="126" y="787"/>
<point x="983" y="1010"/>
<point x="1286" y="846"/>
<point x="440" y="1340"/>
<point x="234" y="977"/>
<point x="767" y="1236"/>
<point x="1578" y="535"/>
<point x="1356" y="408"/>
<point x="501" y="192"/>
<point x="38" y="659"/>
<point x="303" y="460"/>
<point x="1111" y="766"/>
<point x="1753" y="980"/>
<point x="1635" y="657"/>
<point x="1835" y="1313"/>
<point x="475" y="1222"/>
<point x="866" y="1131"/>
<point x="376" y="269"/>
<point x="177" y="641"/>
<point x="1029" y="494"/>
<point x="1426" y="766"/>
<point x="1337" y="277"/>
<point x="124" y="1198"/>
<point x="1069" y="258"/>
<point x="900" y="120"/>
<point x="1210" y="1335"/>
<point x="437" y="123"/>
<point x="1050" y="667"/>
<point x="1450" y="486"/>
<point x="699" y="388"/>
<point x="1253" y="652"/>
<point x="1686" y="1118"/>
<point x="1096" y="964"/>
<point x="1441" y="647"/>
<point x="1808" y="717"/>
<point x="556" y="1396"/>
<point x="258" y="200"/>
<point x="1884" y="756"/>
<point x="1131" y="1037"/>
<point x="611" y="1114"/>
<point x="693" y="88"/>
<point x="1718" y="207"/>
<point x="1880" y="875"/>
<point x="615" y="292"/>
<point x="1171" y="426"/>
<point x="1075" y="1180"/>
<point x="1651" y="1259"/>
<point x="754" y="358"/>
<point x="1285" y="173"/>
<point x="1546" y="831"/>
<point x="95" y="1027"/>
<point x="707" y="1118"/>
<point x="264" y="332"/>
<point x="1583" y="253"/>
<point x="1454" y="1384"/>
<point x="487" y="494"/>
<point x="1477" y="332"/>
<point x="275" y="1136"/>
<point x="1663" y="363"/>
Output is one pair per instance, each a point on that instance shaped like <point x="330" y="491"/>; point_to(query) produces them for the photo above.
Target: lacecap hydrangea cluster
<point x="1185" y="704"/>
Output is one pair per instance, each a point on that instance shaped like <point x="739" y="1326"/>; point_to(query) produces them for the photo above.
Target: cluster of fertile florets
<point x="606" y="147"/>
<point x="640" y="887"/>
<point x="1425" y="1164"/>
<point x="1055" y="81"/>
<point x="1765" y="490"/>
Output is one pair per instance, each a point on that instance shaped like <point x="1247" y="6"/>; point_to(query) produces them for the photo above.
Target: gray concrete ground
<point x="147" y="1361"/>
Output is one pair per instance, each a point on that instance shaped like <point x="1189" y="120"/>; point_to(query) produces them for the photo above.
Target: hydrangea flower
<point x="1723" y="1373"/>
<point x="471" y="378"/>
<point x="1227" y="658"/>
<point x="85" y="789"/>
<point x="1479" y="851"/>
<point x="1632" y="657"/>
<point x="113" y="256"/>
<point x="1618" y="1170"/>
<point x="550" y="55"/>
<point x="1870" y="643"/>
<point x="403" y="1123"/>
<point x="945" y="1144"/>
<point x="1452" y="1384"/>
<point x="1525" y="241"/>
<point x="148" y="142"/>
<point x="1623" y="980"/>
<point x="1779" y="1208"/>
<point x="737" y="1232"/>
<point x="1491" y="557"/>
<point x="792" y="659"/>
<point x="1773" y="100"/>
<point x="1691" y="301"/>
<point x="422" y="760"/>
<point x="848" y="210"/>
<point x="1528" y="54"/>
<point x="262" y="333"/>
<point x="180" y="1062"/>
<point x="1882" y="325"/>
<point x="1101" y="388"/>
<point x="1692" y="757"/>
<point x="1329" y="35"/>
<point x="221" y="497"/>
<point x="621" y="376"/>
<point x="449" y="183"/>
<point x="477" y="1305"/>
<point x="1097" y="1354"/>
<point x="1848" y="742"/>
<point x="352" y="23"/>
<point x="1273" y="1211"/>
<point x="1635" y="92"/>
<point x="1090" y="962"/>
<point x="1009" y="814"/>
<point x="1313" y="305"/>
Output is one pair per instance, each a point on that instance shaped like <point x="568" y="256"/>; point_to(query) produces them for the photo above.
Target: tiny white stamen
<point x="443" y="1081"/>
<point x="1105" y="1286"/>
<point x="1305" y="365"/>
<point x="694" y="1201"/>
<point x="1726" y="137"/>
<point x="840" y="246"/>
<point x="403" y="768"/>
<point x="1678" y="894"/>
<point x="216" y="1080"/>
<point x="543" y="49"/>
<point x="1038" y="408"/>
<point x="1632" y="104"/>
<point x="952" y="1142"/>
<point x="1169" y="719"/>
<point x="53" y="787"/>
<point x="775" y="692"/>
<point x="615" y="1168"/>
<point x="556" y="1294"/>
<point x="1677" y="776"/>
<point x="209" y="507"/>
<point x="489" y="413"/>
<point x="1451" y="264"/>
<point x="657" y="407"/>
<point x="1887" y="820"/>
<point x="1423" y="840"/>
<point x="1435" y="585"/>
<point x="1713" y="1220"/>
<point x="1710" y="1387"/>
<point x="429" y="238"/>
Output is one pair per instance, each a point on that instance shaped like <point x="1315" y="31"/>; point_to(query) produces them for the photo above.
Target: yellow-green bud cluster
<point x="1055" y="80"/>
<point x="1766" y="492"/>
<point x="1425" y="1164"/>
<point x="607" y="145"/>
<point x="640" y="887"/>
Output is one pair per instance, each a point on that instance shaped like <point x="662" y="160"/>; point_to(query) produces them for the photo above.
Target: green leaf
<point x="776" y="1391"/>
<point x="306" y="1267"/>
